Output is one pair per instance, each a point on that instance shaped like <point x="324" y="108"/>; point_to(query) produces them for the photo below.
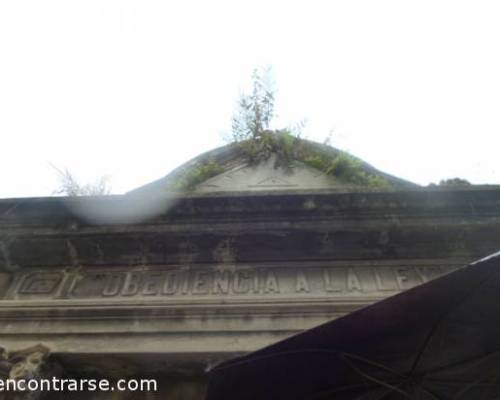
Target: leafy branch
<point x="69" y="186"/>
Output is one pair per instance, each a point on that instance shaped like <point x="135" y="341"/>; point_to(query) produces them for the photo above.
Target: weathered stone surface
<point x="272" y="173"/>
<point x="265" y="176"/>
<point x="134" y="285"/>
<point x="23" y="365"/>
<point x="243" y="283"/>
<point x="327" y="226"/>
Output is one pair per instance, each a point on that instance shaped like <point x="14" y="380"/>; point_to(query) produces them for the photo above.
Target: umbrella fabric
<point x="440" y="340"/>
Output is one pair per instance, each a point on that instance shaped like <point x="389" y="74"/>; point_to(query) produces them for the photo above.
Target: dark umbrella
<point x="440" y="340"/>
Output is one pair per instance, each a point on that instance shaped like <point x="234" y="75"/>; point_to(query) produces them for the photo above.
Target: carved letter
<point x="221" y="282"/>
<point x="131" y="286"/>
<point x="301" y="285"/>
<point x="329" y="282"/>
<point x="171" y="283"/>
<point x="353" y="282"/>
<point x="150" y="287"/>
<point x="200" y="282"/>
<point x="380" y="283"/>
<point x="185" y="283"/>
<point x="240" y="282"/>
<point x="422" y="274"/>
<point x="402" y="278"/>
<point x="271" y="284"/>
<point x="113" y="285"/>
<point x="256" y="281"/>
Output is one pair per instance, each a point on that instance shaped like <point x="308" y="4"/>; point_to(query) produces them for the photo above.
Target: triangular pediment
<point x="273" y="181"/>
<point x="229" y="169"/>
<point x="266" y="176"/>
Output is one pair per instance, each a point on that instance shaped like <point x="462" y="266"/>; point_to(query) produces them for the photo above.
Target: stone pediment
<point x="227" y="169"/>
<point x="265" y="176"/>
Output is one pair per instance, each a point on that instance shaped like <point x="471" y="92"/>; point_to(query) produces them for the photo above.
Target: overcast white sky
<point x="132" y="89"/>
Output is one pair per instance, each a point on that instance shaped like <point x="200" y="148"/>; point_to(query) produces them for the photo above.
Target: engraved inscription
<point x="237" y="281"/>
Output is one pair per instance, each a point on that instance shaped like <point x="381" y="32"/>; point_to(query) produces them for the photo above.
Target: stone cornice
<point x="378" y="225"/>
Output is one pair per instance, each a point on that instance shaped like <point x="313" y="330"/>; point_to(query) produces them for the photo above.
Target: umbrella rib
<point x="331" y="352"/>
<point x="387" y="392"/>
<point x="320" y="395"/>
<point x="455" y="382"/>
<point x="483" y="384"/>
<point x="373" y="363"/>
<point x="264" y="357"/>
<point x="375" y="380"/>
<point x="383" y="395"/>
<point x="469" y="386"/>
<point x="432" y="394"/>
<point x="482" y="358"/>
<point x="440" y="320"/>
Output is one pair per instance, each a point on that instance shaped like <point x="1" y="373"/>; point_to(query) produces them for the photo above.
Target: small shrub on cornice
<point x="451" y="182"/>
<point x="258" y="142"/>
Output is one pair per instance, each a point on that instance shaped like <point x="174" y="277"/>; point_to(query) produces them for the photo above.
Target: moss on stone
<point x="454" y="182"/>
<point x="345" y="168"/>
<point x="262" y="146"/>
<point x="289" y="148"/>
<point x="197" y="175"/>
